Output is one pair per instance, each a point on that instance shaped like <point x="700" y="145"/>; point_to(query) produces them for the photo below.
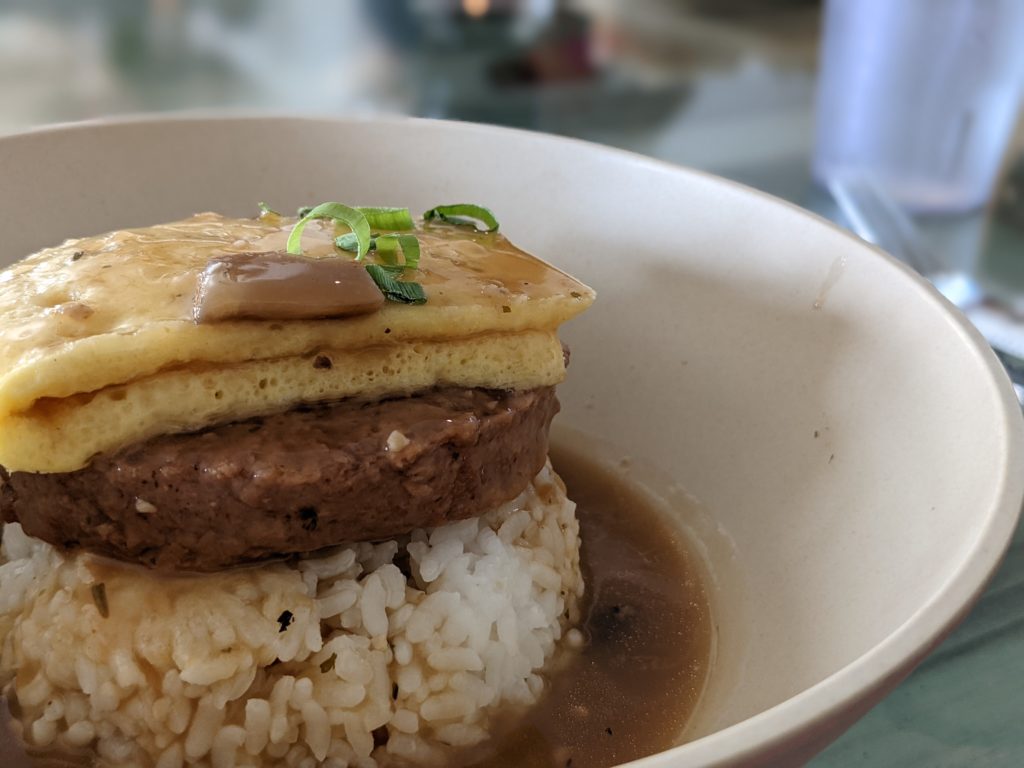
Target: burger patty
<point x="292" y="482"/>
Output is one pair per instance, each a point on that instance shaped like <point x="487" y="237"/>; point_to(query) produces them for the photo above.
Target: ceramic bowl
<point x="853" y="444"/>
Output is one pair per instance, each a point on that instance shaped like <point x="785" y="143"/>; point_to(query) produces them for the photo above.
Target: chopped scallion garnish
<point x="404" y="292"/>
<point x="265" y="209"/>
<point x="363" y="220"/>
<point x="350" y="217"/>
<point x="379" y="217"/>
<point x="386" y="245"/>
<point x="349" y="242"/>
<point x="387" y="218"/>
<point x="464" y="214"/>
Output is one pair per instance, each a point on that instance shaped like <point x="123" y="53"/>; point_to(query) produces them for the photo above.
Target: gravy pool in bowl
<point x="632" y="687"/>
<point x="390" y="568"/>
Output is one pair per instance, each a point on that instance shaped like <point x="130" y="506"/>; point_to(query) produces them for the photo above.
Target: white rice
<point x="208" y="671"/>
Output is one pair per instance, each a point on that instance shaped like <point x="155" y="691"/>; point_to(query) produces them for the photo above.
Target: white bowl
<point x="847" y="432"/>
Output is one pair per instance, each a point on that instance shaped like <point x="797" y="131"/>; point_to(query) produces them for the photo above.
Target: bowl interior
<point x="845" y="434"/>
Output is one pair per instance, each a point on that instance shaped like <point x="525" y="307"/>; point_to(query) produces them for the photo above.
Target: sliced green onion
<point x="387" y="218"/>
<point x="349" y="242"/>
<point x="404" y="292"/>
<point x="464" y="214"/>
<point x="350" y="217"/>
<point x="379" y="217"/>
<point x="386" y="245"/>
<point x="265" y="209"/>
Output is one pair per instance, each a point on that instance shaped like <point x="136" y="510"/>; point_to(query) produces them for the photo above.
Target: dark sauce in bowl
<point x="632" y="688"/>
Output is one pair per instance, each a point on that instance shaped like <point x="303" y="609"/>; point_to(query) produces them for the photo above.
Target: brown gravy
<point x="280" y="286"/>
<point x="632" y="688"/>
<point x="636" y="682"/>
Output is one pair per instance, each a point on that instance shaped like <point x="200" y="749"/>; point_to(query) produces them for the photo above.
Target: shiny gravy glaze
<point x="279" y="286"/>
<point x="648" y="635"/>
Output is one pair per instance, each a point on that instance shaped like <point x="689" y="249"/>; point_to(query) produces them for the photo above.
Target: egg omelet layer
<point x="98" y="348"/>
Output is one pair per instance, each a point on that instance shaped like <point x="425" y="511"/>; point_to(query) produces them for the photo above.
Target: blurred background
<point x="728" y="86"/>
<point x="895" y="118"/>
<point x="691" y="81"/>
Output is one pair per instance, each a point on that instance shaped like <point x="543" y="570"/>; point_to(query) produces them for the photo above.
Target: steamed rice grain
<point x="399" y="652"/>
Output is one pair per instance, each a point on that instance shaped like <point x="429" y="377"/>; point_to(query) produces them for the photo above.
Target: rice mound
<point x="395" y="653"/>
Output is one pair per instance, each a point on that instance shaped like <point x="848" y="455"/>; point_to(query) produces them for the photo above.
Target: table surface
<point x="734" y="96"/>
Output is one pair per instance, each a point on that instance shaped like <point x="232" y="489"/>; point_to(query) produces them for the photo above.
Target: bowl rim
<point x="880" y="667"/>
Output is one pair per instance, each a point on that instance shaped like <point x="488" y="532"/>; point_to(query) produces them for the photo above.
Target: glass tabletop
<point x="727" y="87"/>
